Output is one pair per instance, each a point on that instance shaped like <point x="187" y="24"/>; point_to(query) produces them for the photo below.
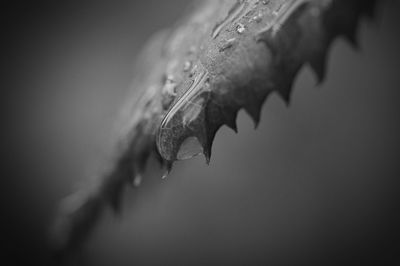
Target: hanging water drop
<point x="165" y="175"/>
<point x="240" y="28"/>
<point x="257" y="18"/>
<point x="188" y="108"/>
<point x="207" y="84"/>
<point x="169" y="86"/>
<point x="167" y="170"/>
<point x="187" y="65"/>
<point x="189" y="148"/>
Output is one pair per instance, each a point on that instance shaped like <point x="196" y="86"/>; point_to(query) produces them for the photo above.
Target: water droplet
<point x="257" y="18"/>
<point x="169" y="86"/>
<point x="187" y="65"/>
<point x="189" y="148"/>
<point x="240" y="28"/>
<point x="186" y="109"/>
<point x="167" y="170"/>
<point x="265" y="2"/>
<point x="137" y="180"/>
<point x="165" y="175"/>
<point x="234" y="14"/>
<point x="227" y="44"/>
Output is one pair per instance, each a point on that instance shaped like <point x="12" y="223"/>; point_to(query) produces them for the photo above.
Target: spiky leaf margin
<point x="194" y="78"/>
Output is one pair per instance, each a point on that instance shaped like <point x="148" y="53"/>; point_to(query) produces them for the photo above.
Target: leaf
<point x="194" y="78"/>
<point x="244" y="51"/>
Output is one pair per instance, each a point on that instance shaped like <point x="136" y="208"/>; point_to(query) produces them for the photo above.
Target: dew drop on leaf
<point x="165" y="175"/>
<point x="240" y="28"/>
<point x="180" y="117"/>
<point x="234" y="14"/>
<point x="257" y="18"/>
<point x="187" y="65"/>
<point x="169" y="86"/>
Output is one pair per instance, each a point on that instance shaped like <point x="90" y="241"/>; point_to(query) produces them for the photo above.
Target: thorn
<point x="231" y="123"/>
<point x="349" y="32"/>
<point x="208" y="140"/>
<point x="318" y="65"/>
<point x="254" y="110"/>
<point x="351" y="37"/>
<point x="207" y="152"/>
<point x="208" y="157"/>
<point x="285" y="95"/>
<point x="229" y="116"/>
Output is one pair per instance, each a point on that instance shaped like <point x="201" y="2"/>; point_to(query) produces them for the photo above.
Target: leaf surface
<point x="195" y="77"/>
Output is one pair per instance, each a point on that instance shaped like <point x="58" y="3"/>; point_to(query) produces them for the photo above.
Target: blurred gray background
<point x="316" y="183"/>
